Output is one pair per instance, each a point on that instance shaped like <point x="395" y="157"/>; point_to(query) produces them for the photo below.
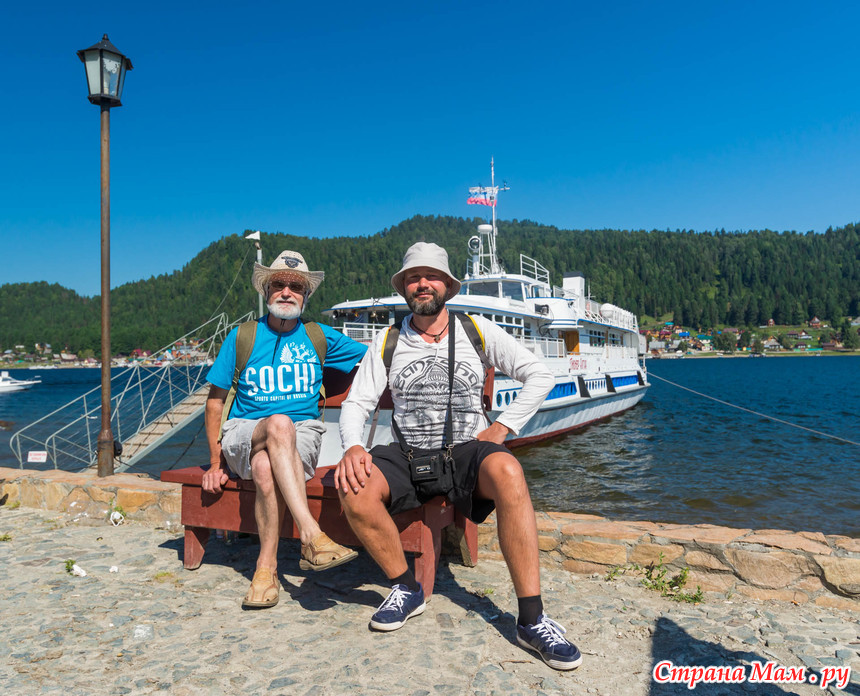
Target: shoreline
<point x="781" y="354"/>
<point x="648" y="357"/>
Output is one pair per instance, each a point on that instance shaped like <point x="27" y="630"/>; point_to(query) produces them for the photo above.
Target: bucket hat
<point x="429" y="255"/>
<point x="287" y="262"/>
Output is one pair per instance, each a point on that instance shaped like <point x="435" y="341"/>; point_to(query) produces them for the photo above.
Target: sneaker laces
<point x="395" y="599"/>
<point x="550" y="631"/>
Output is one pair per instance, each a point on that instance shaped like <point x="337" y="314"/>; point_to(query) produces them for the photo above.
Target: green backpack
<point x="245" y="337"/>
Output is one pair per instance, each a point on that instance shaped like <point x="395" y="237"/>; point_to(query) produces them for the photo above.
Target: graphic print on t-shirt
<point x="423" y="384"/>
<point x="295" y="352"/>
<point x="292" y="379"/>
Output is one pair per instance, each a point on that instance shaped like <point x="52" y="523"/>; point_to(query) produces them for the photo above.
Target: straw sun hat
<point x="287" y="262"/>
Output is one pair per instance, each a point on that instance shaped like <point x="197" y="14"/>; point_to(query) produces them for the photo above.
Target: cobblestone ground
<point x="152" y="626"/>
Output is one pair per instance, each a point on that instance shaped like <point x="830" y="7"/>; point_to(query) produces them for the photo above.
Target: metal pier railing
<point x="149" y="402"/>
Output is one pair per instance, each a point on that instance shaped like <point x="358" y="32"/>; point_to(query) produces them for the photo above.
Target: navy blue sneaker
<point x="399" y="606"/>
<point x="546" y="638"/>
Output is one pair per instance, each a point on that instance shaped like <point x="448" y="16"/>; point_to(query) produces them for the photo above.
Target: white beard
<point x="285" y="311"/>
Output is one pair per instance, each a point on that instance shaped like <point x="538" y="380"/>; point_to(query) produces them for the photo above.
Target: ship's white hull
<point x="553" y="420"/>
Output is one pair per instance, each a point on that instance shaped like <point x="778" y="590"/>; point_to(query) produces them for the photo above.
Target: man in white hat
<point x="273" y="434"/>
<point x="436" y="383"/>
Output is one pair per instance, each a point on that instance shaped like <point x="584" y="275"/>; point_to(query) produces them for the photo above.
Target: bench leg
<point x="195" y="547"/>
<point x="467" y="537"/>
<point x="427" y="561"/>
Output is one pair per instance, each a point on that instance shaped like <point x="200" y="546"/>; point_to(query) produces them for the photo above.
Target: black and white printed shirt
<point x="419" y="386"/>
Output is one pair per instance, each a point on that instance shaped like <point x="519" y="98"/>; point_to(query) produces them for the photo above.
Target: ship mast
<point x="488" y="195"/>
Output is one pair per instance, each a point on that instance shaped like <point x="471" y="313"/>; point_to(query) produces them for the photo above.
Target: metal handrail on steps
<point x="149" y="402"/>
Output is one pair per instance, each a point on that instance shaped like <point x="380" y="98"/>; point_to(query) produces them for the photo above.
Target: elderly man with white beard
<point x="271" y="433"/>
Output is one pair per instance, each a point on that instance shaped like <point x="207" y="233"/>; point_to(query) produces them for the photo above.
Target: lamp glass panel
<point x="122" y="72"/>
<point x="91" y="63"/>
<point x="111" y="64"/>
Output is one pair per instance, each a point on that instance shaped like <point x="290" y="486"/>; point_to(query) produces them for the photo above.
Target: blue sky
<point x="343" y="118"/>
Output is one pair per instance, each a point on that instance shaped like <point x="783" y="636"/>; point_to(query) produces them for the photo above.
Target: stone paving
<point x="152" y="626"/>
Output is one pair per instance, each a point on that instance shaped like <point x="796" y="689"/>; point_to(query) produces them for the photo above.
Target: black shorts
<point x="394" y="465"/>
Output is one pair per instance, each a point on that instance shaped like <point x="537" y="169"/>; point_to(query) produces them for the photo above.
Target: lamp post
<point x="105" y="68"/>
<point x="255" y="237"/>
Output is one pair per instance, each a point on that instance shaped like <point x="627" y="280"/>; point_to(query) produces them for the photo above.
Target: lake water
<point x="676" y="457"/>
<point x="679" y="457"/>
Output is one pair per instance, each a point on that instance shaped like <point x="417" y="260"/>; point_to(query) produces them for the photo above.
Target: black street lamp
<point x="105" y="67"/>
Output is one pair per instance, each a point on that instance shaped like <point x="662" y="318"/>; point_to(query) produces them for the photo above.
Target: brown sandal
<point x="263" y="591"/>
<point x="322" y="553"/>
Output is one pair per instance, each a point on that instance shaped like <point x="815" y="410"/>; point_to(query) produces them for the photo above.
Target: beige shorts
<point x="236" y="444"/>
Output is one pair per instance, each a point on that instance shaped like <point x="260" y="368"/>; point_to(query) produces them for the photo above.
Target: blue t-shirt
<point x="283" y="374"/>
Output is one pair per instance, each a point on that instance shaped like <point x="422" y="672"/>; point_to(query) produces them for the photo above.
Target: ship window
<point x="513" y="291"/>
<point x="489" y="288"/>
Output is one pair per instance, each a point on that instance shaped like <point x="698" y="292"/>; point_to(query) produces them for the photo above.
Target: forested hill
<point x="705" y="279"/>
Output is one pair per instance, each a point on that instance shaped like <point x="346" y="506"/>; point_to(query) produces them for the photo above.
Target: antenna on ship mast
<point x="487" y="195"/>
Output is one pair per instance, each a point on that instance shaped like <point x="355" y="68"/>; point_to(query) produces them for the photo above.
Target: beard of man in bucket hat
<point x="273" y="433"/>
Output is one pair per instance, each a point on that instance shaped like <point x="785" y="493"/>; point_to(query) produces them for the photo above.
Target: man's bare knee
<point x="501" y="476"/>
<point x="369" y="501"/>
<point x="261" y="473"/>
<point x="281" y="429"/>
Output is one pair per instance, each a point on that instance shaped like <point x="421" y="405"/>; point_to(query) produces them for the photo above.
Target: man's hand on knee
<point x="214" y="479"/>
<point x="353" y="470"/>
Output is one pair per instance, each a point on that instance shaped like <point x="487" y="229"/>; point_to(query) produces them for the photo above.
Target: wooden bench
<point x="233" y="510"/>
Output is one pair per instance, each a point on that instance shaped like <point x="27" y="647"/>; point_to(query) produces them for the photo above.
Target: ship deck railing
<point x="543" y="347"/>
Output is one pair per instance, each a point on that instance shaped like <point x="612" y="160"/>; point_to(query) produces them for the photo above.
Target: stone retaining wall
<point x="90" y="499"/>
<point x="764" y="564"/>
<point x="776" y="564"/>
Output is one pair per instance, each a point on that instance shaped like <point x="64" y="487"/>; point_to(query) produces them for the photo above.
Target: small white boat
<point x="10" y="384"/>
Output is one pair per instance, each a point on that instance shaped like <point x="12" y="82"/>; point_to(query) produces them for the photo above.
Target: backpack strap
<point x="318" y="340"/>
<point x="470" y="326"/>
<point x="389" y="343"/>
<point x="475" y="336"/>
<point x="315" y="333"/>
<point x="388" y="346"/>
<point x="245" y="336"/>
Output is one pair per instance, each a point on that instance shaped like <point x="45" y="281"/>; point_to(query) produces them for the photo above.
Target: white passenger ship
<point x="594" y="350"/>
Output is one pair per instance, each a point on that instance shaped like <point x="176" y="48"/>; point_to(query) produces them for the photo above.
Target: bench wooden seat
<point x="233" y="510"/>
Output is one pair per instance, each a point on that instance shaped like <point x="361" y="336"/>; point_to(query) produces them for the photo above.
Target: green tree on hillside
<point x="724" y="342"/>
